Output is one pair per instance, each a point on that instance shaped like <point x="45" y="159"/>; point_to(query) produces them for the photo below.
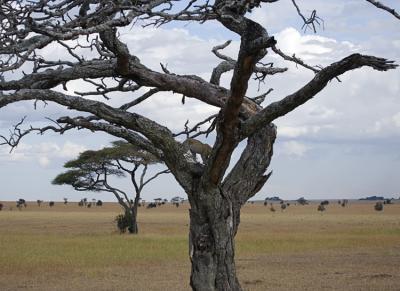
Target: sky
<point x="344" y="143"/>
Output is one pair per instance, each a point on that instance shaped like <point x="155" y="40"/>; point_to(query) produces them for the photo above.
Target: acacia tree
<point x="215" y="196"/>
<point x="92" y="169"/>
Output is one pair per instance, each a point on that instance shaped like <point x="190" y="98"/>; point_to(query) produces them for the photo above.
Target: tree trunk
<point x="133" y="226"/>
<point x="211" y="242"/>
<point x="215" y="214"/>
<point x="132" y="221"/>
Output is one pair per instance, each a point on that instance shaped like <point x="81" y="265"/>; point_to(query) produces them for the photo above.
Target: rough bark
<point x="134" y="213"/>
<point x="133" y="226"/>
<point x="211" y="242"/>
<point x="215" y="215"/>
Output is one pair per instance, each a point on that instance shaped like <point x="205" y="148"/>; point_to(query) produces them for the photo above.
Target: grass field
<point x="72" y="248"/>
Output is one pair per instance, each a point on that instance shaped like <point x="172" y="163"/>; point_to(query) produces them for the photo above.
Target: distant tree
<point x="152" y="205"/>
<point x="321" y="208"/>
<point x="21" y="202"/>
<point x="177" y="200"/>
<point x="51" y="203"/>
<point x="99" y="203"/>
<point x="325" y="202"/>
<point x="378" y="206"/>
<point x="283" y="206"/>
<point x="1" y="206"/>
<point x="92" y="169"/>
<point x="388" y="201"/>
<point x="65" y="201"/>
<point x="302" y="201"/>
<point x="158" y="201"/>
<point x="81" y="203"/>
<point x="39" y="202"/>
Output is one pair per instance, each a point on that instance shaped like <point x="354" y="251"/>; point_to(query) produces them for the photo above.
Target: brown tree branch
<point x="321" y="79"/>
<point x="254" y="41"/>
<point x="158" y="135"/>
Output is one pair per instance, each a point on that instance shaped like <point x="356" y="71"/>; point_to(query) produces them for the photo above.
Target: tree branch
<point x="384" y="7"/>
<point x="321" y="79"/>
<point x="254" y="41"/>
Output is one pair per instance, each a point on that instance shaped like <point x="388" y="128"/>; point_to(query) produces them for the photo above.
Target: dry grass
<point x="72" y="248"/>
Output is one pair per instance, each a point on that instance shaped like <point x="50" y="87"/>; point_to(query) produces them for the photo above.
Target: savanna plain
<point x="67" y="247"/>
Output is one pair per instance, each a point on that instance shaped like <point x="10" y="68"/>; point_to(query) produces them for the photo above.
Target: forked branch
<point x="321" y="79"/>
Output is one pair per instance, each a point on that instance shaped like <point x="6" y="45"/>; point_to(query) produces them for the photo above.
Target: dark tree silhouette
<point x="102" y="60"/>
<point x="378" y="206"/>
<point x="302" y="201"/>
<point x="21" y="202"/>
<point x="92" y="169"/>
<point x="321" y="207"/>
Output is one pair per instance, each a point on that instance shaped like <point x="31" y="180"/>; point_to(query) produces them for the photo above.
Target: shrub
<point x="388" y="201"/>
<point x="302" y="201"/>
<point x="99" y="203"/>
<point x="51" y="203"/>
<point x="122" y="221"/>
<point x="378" y="206"/>
<point x="20" y="203"/>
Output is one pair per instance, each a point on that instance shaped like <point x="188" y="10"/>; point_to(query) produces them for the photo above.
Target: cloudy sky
<point x="343" y="143"/>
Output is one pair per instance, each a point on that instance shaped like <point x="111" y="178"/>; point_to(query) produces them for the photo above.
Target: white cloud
<point x="176" y="48"/>
<point x="291" y="131"/>
<point x="44" y="161"/>
<point x="314" y="49"/>
<point x="386" y="126"/>
<point x="43" y="152"/>
<point x="294" y="148"/>
<point x="292" y="41"/>
<point x="70" y="150"/>
<point x="396" y="119"/>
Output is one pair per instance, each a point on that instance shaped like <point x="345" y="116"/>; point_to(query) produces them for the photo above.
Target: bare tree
<point x="92" y="169"/>
<point x="88" y="30"/>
